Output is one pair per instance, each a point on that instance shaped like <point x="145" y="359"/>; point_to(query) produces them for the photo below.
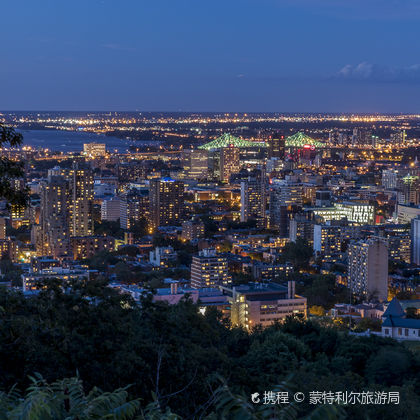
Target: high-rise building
<point x="398" y="137"/>
<point x="415" y="240"/>
<point x="54" y="239"/>
<point x="195" y="163"/>
<point x="192" y="229"/>
<point x="2" y="228"/>
<point x="135" y="206"/>
<point x="276" y="146"/>
<point x="94" y="149"/>
<point x="286" y="198"/>
<point x="368" y="269"/>
<point x="253" y="196"/>
<point x="405" y="214"/>
<point x="229" y="162"/>
<point x="390" y="179"/>
<point x="410" y="190"/>
<point x="323" y="198"/>
<point x="166" y="202"/>
<point x="208" y="269"/>
<point x="111" y="209"/>
<point x="327" y="241"/>
<point x="87" y="246"/>
<point x="363" y="137"/>
<point x="301" y="228"/>
<point x="398" y="242"/>
<point x="81" y="201"/>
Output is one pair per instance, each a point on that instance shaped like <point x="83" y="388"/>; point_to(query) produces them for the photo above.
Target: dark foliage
<point x="177" y="353"/>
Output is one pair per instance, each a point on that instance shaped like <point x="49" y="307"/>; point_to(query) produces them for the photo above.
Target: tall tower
<point x="229" y="162"/>
<point x="81" y="201"/>
<point x="253" y="196"/>
<point x="276" y="145"/>
<point x="54" y="237"/>
<point x="166" y="202"/>
<point x="368" y="269"/>
<point x="195" y="163"/>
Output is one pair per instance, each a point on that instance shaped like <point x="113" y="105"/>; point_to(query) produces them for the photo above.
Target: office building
<point x="354" y="212"/>
<point x="368" y="269"/>
<point x="276" y="146"/>
<point x="229" y="162"/>
<point x="209" y="269"/>
<point x="195" y="163"/>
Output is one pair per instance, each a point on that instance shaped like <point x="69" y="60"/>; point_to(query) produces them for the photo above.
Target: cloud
<point x="377" y="73"/>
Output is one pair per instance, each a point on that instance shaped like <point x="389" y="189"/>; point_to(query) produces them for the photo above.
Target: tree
<point x="66" y="399"/>
<point x="139" y="228"/>
<point x="411" y="312"/>
<point x="122" y="272"/>
<point x="109" y="227"/>
<point x="10" y="170"/>
<point x="317" y="310"/>
<point x="298" y="253"/>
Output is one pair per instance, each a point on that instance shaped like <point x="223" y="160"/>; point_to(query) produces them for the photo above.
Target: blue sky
<point x="197" y="55"/>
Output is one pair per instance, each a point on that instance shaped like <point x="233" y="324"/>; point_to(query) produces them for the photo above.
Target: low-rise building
<point x="263" y="304"/>
<point x="396" y="324"/>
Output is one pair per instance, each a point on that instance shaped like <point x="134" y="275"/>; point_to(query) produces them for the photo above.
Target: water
<point x="72" y="141"/>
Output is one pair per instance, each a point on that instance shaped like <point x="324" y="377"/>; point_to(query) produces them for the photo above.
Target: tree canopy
<point x="173" y="355"/>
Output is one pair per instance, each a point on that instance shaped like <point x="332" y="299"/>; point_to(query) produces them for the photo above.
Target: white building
<point x="111" y="209"/>
<point x="368" y="269"/>
<point x="208" y="269"/>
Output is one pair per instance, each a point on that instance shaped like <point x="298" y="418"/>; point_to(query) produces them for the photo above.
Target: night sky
<point x="220" y="55"/>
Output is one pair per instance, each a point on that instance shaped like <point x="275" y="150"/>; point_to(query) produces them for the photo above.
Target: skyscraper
<point x="81" y="204"/>
<point x="253" y="196"/>
<point x="166" y="202"/>
<point x="276" y="145"/>
<point x="368" y="269"/>
<point x="195" y="163"/>
<point x="410" y="189"/>
<point x="229" y="162"/>
<point x="54" y="232"/>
